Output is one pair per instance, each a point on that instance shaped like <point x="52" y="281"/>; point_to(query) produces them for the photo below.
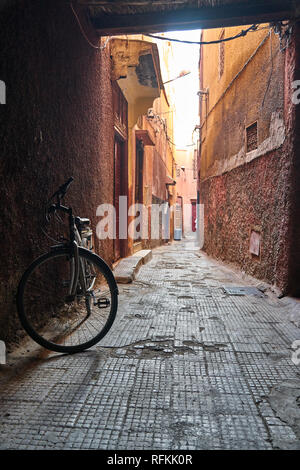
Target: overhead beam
<point x="200" y="18"/>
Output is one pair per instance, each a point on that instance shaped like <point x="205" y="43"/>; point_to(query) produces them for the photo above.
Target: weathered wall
<point x="57" y="122"/>
<point x="244" y="191"/>
<point x="292" y="73"/>
<point x="247" y="198"/>
<point x="245" y="93"/>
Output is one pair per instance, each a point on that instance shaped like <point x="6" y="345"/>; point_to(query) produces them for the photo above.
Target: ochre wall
<point x="57" y="123"/>
<point x="256" y="94"/>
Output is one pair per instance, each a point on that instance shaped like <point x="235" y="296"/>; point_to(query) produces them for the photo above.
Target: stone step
<point x="127" y="268"/>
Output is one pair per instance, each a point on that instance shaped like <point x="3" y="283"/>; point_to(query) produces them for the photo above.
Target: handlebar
<point x="60" y="193"/>
<point x="64" y="187"/>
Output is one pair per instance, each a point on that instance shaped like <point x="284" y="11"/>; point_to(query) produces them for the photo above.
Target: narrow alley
<point x="186" y="365"/>
<point x="150" y="207"/>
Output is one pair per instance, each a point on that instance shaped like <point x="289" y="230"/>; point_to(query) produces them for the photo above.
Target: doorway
<point x="119" y="160"/>
<point x="194" y="214"/>
<point x="120" y="109"/>
<point x="139" y="164"/>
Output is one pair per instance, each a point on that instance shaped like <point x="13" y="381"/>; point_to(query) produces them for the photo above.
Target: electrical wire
<point x="178" y="146"/>
<point x="242" y="33"/>
<point x="100" y="48"/>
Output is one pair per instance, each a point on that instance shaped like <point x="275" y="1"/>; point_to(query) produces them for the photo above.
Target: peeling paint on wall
<point x="273" y="142"/>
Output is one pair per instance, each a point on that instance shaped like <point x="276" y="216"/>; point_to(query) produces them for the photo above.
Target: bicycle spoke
<point x="39" y="288"/>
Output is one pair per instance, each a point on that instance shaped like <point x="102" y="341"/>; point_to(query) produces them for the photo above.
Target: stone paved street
<point x="185" y="366"/>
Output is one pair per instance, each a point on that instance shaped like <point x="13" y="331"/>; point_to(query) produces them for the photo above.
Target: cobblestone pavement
<point x="185" y="366"/>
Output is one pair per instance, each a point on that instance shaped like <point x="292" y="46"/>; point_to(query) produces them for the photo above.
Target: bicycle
<point x="67" y="298"/>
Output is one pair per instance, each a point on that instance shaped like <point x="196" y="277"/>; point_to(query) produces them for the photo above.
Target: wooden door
<point x="194" y="215"/>
<point x="139" y="172"/>
<point x="120" y="109"/>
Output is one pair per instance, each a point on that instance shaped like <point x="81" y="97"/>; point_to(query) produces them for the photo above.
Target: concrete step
<point x="127" y="268"/>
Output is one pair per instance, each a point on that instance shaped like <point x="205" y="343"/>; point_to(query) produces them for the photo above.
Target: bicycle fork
<point x="75" y="267"/>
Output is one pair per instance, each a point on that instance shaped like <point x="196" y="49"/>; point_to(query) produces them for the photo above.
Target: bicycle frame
<point x="75" y="240"/>
<point x="73" y="245"/>
<point x="75" y="266"/>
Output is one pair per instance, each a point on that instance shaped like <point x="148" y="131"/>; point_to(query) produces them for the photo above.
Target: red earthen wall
<point x="251" y="196"/>
<point x="293" y="112"/>
<point x="57" y="123"/>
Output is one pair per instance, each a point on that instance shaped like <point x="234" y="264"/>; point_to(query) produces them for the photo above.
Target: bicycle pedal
<point x="103" y="303"/>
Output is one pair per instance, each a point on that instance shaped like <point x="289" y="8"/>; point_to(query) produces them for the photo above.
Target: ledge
<point x="127" y="268"/>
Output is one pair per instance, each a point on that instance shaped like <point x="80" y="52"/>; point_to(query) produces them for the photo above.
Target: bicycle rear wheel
<point x="57" y="322"/>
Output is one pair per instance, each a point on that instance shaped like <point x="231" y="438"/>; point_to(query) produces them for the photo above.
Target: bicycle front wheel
<point x="55" y="320"/>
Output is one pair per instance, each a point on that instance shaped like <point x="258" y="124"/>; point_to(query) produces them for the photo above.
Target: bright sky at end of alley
<point x="185" y="57"/>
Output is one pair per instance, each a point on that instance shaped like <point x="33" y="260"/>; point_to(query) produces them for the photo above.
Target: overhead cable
<point x="242" y="33"/>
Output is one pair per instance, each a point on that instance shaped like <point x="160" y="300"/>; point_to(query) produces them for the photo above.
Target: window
<point x="221" y="54"/>
<point x="251" y="137"/>
<point x="120" y="108"/>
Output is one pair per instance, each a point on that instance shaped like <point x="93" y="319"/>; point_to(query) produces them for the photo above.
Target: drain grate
<point x="241" y="290"/>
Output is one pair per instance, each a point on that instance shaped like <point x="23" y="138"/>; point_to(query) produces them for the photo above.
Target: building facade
<point x="148" y="172"/>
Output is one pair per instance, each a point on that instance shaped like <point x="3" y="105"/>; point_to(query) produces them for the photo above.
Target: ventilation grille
<point x="251" y="137"/>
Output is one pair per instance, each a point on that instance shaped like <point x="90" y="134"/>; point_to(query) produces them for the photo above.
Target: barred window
<point x="251" y="137"/>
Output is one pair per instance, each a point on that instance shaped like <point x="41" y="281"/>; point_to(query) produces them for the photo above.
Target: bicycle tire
<point x="46" y="318"/>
